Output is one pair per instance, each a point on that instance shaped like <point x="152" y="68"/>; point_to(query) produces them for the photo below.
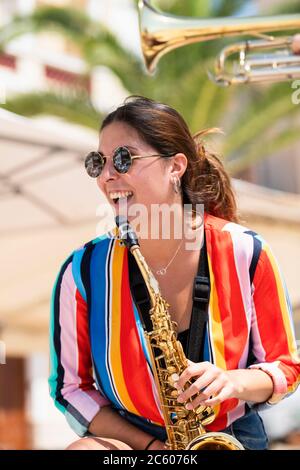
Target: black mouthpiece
<point x="126" y="232"/>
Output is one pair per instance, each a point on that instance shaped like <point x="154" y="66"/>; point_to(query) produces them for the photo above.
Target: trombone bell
<point x="161" y="32"/>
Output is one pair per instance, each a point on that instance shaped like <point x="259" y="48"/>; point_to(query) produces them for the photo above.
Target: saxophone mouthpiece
<point x="126" y="233"/>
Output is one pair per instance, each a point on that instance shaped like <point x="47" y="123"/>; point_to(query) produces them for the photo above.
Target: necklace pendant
<point x="161" y="272"/>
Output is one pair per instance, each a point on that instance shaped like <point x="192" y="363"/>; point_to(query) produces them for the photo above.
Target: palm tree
<point x="248" y="115"/>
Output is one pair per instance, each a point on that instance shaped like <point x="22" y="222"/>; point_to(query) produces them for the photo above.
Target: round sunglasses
<point x="122" y="161"/>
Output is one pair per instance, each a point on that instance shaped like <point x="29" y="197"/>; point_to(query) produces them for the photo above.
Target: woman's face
<point x="148" y="181"/>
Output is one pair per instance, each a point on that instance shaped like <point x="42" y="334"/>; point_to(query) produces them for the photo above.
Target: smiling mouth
<point x="119" y="197"/>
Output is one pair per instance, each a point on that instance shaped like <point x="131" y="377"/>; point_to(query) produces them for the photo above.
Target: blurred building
<point x="50" y="62"/>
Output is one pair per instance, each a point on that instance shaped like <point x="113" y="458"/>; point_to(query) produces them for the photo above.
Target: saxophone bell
<point x="215" y="441"/>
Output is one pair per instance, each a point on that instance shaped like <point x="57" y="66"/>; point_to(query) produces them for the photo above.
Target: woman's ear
<point x="178" y="165"/>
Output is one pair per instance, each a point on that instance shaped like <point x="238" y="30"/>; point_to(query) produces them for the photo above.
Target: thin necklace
<point x="162" y="271"/>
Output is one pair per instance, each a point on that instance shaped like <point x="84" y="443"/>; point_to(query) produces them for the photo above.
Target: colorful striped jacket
<point x="97" y="349"/>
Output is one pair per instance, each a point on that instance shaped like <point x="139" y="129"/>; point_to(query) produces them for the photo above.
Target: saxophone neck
<point x="150" y="280"/>
<point x="130" y="239"/>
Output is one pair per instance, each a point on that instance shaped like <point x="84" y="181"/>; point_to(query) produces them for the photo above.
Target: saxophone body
<point x="185" y="428"/>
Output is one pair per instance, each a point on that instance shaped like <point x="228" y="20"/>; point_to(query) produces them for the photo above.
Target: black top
<point x="192" y="339"/>
<point x="183" y="338"/>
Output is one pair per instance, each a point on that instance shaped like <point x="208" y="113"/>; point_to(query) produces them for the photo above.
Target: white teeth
<point x="120" y="194"/>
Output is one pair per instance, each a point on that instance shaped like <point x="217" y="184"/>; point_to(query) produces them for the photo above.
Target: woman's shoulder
<point x="241" y="245"/>
<point x="100" y="241"/>
<point x="223" y="226"/>
<point x="236" y="237"/>
<point x="85" y="250"/>
<point x="78" y="263"/>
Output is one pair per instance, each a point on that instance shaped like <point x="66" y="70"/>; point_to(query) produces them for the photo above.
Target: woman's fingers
<point x="216" y="394"/>
<point x="200" y="385"/>
<point x="193" y="369"/>
<point x="224" y="394"/>
<point x="203" y="398"/>
<point x="212" y="386"/>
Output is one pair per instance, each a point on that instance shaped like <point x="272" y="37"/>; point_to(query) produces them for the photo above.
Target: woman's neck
<point x="159" y="251"/>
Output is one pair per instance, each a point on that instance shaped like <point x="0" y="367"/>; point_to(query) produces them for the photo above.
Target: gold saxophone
<point x="185" y="428"/>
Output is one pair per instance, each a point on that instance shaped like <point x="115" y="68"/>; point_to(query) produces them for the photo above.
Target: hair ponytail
<point x="206" y="181"/>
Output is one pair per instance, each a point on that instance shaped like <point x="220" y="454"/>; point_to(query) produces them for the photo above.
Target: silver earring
<point x="176" y="184"/>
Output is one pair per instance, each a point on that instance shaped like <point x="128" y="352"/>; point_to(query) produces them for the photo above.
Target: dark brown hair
<point x="205" y="180"/>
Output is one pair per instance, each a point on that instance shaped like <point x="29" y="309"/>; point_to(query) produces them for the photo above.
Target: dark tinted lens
<point x="122" y="160"/>
<point x="94" y="163"/>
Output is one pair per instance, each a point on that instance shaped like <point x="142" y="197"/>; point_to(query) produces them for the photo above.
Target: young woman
<point x="100" y="377"/>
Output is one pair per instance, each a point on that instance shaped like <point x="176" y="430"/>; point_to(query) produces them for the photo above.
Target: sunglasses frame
<point x="102" y="158"/>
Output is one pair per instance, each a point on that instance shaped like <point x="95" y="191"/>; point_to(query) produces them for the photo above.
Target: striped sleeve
<point x="272" y="330"/>
<point x="71" y="381"/>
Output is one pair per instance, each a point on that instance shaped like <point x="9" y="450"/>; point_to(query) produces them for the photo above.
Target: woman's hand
<point x="215" y="385"/>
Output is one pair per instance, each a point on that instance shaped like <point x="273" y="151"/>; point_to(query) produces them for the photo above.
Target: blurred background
<point x="63" y="65"/>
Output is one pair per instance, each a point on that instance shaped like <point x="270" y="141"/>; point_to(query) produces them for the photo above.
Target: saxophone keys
<point x="181" y="413"/>
<point x="173" y="377"/>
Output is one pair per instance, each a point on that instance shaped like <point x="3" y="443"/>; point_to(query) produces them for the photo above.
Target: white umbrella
<point x="48" y="208"/>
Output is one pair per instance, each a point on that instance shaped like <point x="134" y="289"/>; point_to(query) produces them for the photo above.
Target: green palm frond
<point x="212" y="106"/>
<point x="71" y="23"/>
<point x="68" y="22"/>
<point x="258" y="123"/>
<point x="73" y="109"/>
<point x="186" y="8"/>
<point x="251" y="154"/>
<point x="204" y="105"/>
<point x="200" y="9"/>
<point x="228" y="8"/>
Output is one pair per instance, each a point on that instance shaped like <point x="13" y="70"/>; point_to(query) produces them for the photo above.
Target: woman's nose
<point x="109" y="171"/>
